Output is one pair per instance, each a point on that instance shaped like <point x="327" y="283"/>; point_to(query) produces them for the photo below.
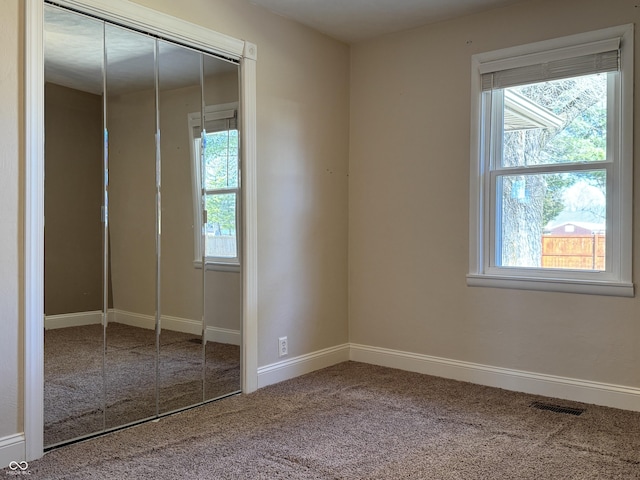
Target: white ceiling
<point x="355" y="20"/>
<point x="76" y="47"/>
<point x="74" y="51"/>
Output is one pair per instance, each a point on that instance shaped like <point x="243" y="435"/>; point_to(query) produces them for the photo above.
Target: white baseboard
<point x="134" y="319"/>
<point x="617" y="396"/>
<point x="177" y="324"/>
<point x="72" y="319"/>
<point x="149" y="322"/>
<point x="223" y="335"/>
<point x="12" y="449"/>
<point x="294" y="367"/>
<point x="185" y="325"/>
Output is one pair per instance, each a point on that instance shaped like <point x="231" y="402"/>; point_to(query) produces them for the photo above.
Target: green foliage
<point x="221" y="173"/>
<point x="221" y="214"/>
<point x="581" y="102"/>
<point x="221" y="160"/>
<point x="531" y="202"/>
<point x="581" y="140"/>
<point x="553" y="203"/>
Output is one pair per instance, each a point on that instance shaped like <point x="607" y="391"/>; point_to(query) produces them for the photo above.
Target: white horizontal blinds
<point x="218" y="121"/>
<point x="555" y="69"/>
<point x="221" y="120"/>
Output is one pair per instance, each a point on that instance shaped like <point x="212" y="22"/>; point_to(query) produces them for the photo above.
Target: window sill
<point x="218" y="267"/>
<point x="617" y="289"/>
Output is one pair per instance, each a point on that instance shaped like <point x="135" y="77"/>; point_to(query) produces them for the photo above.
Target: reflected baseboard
<point x="141" y="320"/>
<point x="76" y="319"/>
<point x="223" y="335"/>
<point x="177" y="324"/>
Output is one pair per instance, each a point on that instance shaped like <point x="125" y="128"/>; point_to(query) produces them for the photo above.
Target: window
<point x="551" y="165"/>
<point x="216" y="186"/>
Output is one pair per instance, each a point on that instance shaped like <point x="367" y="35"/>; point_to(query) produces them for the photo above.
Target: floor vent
<point x="557" y="408"/>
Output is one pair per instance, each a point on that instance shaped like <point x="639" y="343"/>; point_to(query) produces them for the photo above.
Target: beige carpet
<point x="73" y="404"/>
<point x="357" y="421"/>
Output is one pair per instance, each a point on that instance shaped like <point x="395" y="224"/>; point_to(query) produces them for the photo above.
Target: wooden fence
<point x="220" y="246"/>
<point x="582" y="252"/>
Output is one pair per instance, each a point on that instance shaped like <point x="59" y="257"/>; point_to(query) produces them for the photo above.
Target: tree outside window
<point x="551" y="165"/>
<point x="532" y="204"/>
<point x="221" y="190"/>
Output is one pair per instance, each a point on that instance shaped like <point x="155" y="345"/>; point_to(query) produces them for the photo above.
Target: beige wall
<point x="303" y="128"/>
<point x="409" y="208"/>
<point x="11" y="175"/>
<point x="73" y="198"/>
<point x="223" y="307"/>
<point x="132" y="193"/>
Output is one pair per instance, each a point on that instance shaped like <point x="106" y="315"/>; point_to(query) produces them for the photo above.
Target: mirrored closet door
<point x="142" y="238"/>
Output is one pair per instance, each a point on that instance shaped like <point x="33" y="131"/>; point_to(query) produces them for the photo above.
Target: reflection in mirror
<point x="73" y="386"/>
<point x="180" y="360"/>
<point x="130" y="354"/>
<point x="221" y="249"/>
<point x="142" y="260"/>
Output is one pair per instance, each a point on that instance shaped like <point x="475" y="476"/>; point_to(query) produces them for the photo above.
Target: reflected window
<point x="216" y="185"/>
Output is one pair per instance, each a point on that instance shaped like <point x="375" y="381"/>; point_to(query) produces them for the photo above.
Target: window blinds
<point x="605" y="58"/>
<point x="217" y="121"/>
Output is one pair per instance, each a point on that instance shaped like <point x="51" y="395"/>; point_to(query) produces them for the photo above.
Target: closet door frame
<point x="147" y="20"/>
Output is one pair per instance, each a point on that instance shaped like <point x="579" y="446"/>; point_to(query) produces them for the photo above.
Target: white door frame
<point x="145" y="19"/>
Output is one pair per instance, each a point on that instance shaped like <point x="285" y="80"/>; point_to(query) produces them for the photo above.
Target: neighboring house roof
<point x="520" y="113"/>
<point x="583" y="226"/>
<point x="592" y="218"/>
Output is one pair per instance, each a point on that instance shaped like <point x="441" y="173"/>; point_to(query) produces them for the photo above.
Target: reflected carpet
<point x="74" y="385"/>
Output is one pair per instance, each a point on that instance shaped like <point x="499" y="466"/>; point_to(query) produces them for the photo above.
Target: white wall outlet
<point x="283" y="346"/>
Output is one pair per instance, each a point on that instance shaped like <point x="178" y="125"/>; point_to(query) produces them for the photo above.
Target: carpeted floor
<point x="358" y="421"/>
<point x="73" y="404"/>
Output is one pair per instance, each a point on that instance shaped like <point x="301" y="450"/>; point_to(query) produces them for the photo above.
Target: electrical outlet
<point x="283" y="346"/>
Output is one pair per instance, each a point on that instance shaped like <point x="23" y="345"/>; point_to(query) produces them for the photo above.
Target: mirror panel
<point x="180" y="360"/>
<point x="130" y="354"/>
<point x="221" y="192"/>
<point x="74" y="300"/>
<point x="142" y="292"/>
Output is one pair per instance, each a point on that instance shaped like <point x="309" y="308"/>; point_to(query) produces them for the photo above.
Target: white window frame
<point x="616" y="280"/>
<point x="232" y="264"/>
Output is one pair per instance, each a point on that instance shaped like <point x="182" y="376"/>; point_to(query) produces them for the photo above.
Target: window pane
<point x="561" y="121"/>
<point x="221" y="160"/>
<point x="221" y="226"/>
<point x="552" y="220"/>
